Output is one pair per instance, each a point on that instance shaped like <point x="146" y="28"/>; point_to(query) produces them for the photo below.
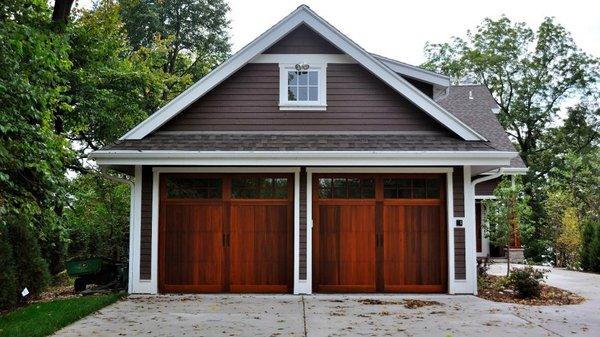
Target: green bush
<point x="526" y="281"/>
<point x="31" y="269"/>
<point x="590" y="246"/>
<point x="8" y="282"/>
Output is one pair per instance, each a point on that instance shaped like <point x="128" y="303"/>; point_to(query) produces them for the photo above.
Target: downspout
<point x="131" y="214"/>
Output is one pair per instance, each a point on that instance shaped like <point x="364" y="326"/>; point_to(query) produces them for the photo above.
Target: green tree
<point x="32" y="157"/>
<point x="111" y="88"/>
<point x="193" y="34"/>
<point x="530" y="74"/>
<point x="507" y="216"/>
<point x="98" y="218"/>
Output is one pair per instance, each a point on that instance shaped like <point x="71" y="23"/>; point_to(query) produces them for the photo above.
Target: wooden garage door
<point x="384" y="233"/>
<point x="225" y="233"/>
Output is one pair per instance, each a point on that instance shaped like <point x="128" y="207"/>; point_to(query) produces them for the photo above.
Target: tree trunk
<point x="62" y="10"/>
<point x="508" y="260"/>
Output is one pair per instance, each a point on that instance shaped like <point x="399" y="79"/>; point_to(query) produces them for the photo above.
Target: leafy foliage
<point x="508" y="215"/>
<point x="532" y="75"/>
<point x="191" y="33"/>
<point x="526" y="281"/>
<point x="99" y="218"/>
<point x="590" y="249"/>
<point x="72" y="85"/>
<point x="32" y="157"/>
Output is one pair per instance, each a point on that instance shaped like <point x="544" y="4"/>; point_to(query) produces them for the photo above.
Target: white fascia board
<point x="415" y="72"/>
<point x="299" y="158"/>
<point x="302" y="15"/>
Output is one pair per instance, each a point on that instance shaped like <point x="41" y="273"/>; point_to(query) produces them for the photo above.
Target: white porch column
<point x="470" y="233"/>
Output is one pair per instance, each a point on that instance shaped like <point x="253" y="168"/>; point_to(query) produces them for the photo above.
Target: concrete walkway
<point x="345" y="315"/>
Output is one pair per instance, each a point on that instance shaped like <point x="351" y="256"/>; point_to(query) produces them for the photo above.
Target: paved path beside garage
<point x="345" y="315"/>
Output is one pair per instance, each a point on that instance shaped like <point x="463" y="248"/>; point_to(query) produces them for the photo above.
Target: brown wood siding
<point x="146" y="225"/>
<point x="303" y="222"/>
<point x="460" y="272"/>
<point x="459" y="195"/>
<point x="303" y="40"/>
<point x="487" y="187"/>
<point x="356" y="101"/>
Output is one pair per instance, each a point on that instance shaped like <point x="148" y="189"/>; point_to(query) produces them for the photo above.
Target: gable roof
<point x="302" y="15"/>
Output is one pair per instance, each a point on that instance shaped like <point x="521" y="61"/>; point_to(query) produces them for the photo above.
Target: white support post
<point x="470" y="233"/>
<point x="450" y="203"/>
<point x="136" y="233"/>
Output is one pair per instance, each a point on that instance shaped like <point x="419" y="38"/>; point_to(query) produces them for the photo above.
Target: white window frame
<point x="284" y="104"/>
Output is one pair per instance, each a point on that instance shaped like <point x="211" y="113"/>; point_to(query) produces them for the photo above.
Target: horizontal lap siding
<point x="459" y="232"/>
<point x="146" y="224"/>
<point x="487" y="187"/>
<point x="459" y="195"/>
<point x="303" y="40"/>
<point x="460" y="272"/>
<point x="356" y="101"/>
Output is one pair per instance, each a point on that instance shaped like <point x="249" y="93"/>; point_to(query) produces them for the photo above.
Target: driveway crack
<point x="304" y="315"/>
<point x="536" y="324"/>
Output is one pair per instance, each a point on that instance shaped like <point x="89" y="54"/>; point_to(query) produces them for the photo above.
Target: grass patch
<point x="45" y="318"/>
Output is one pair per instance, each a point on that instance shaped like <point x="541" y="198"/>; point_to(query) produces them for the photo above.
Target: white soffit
<point x="302" y="15"/>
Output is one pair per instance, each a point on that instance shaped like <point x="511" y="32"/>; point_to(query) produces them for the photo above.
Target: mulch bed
<point x="493" y="290"/>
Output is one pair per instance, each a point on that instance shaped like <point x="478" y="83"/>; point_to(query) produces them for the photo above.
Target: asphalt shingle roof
<point x="300" y="142"/>
<point x="477" y="113"/>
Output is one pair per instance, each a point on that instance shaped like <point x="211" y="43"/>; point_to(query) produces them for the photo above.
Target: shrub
<point x="8" y="282"/>
<point x="31" y="269"/>
<point x="590" y="246"/>
<point x="526" y="281"/>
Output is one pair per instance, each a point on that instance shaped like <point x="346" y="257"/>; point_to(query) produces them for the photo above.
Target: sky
<point x="399" y="29"/>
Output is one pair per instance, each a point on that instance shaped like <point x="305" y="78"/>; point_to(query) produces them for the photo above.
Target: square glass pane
<point x="303" y="78"/>
<point x="340" y="189"/>
<point x="368" y="188"/>
<point x="433" y="189"/>
<point x="292" y="78"/>
<point x="313" y="93"/>
<point x="325" y="186"/>
<point x="354" y="188"/>
<point x="390" y="193"/>
<point x="419" y="182"/>
<point x="313" y="78"/>
<point x="404" y="193"/>
<point x="389" y="183"/>
<point x="303" y="94"/>
<point x="292" y="93"/>
<point x="419" y="193"/>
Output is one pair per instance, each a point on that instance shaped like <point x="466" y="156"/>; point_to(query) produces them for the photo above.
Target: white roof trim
<point x="415" y="72"/>
<point x="305" y="15"/>
<point x="307" y="158"/>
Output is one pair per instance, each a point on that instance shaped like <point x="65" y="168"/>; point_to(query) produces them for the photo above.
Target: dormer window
<point x="302" y="87"/>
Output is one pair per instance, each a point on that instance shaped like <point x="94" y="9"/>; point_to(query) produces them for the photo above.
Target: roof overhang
<point x="302" y="158"/>
<point x="303" y="15"/>
<point x="415" y="72"/>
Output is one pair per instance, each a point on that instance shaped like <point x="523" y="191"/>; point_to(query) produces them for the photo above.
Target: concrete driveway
<point x="345" y="315"/>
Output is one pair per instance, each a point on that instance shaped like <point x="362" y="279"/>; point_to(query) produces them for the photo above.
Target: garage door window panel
<point x="194" y="188"/>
